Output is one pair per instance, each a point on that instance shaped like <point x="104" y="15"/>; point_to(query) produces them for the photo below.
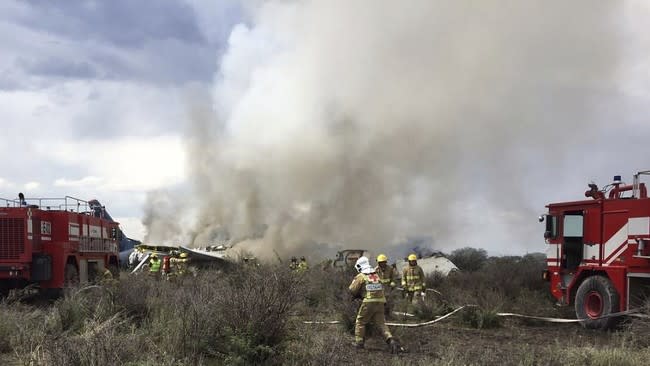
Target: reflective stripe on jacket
<point x="303" y="266"/>
<point x="179" y="264"/>
<point x="370" y="284"/>
<point x="413" y="278"/>
<point x="387" y="277"/>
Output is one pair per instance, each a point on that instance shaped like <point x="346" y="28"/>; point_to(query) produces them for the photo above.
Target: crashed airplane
<point x="200" y="258"/>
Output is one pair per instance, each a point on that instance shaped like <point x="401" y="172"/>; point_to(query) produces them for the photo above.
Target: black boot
<point x="395" y="347"/>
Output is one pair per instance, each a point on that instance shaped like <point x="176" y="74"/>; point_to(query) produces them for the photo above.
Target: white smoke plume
<point x="361" y="123"/>
<point x="161" y="219"/>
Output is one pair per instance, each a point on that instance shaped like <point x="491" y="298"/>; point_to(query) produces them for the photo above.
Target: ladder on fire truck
<point x="636" y="184"/>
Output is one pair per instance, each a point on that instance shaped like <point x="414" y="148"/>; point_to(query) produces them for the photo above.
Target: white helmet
<point x="363" y="266"/>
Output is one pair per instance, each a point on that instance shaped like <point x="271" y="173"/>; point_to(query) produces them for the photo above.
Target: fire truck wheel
<point x="595" y="298"/>
<point x="71" y="275"/>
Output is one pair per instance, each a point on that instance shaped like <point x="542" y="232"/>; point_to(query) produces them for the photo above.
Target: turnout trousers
<point x="370" y="312"/>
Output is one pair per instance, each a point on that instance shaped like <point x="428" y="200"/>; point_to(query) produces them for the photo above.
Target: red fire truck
<point x="53" y="243"/>
<point x="598" y="251"/>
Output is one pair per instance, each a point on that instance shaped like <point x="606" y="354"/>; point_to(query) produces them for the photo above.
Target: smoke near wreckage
<point x="363" y="123"/>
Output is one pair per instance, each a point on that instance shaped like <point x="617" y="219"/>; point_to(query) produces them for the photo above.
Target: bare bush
<point x="255" y="311"/>
<point x="100" y="343"/>
<point x="239" y="317"/>
<point x="344" y="305"/>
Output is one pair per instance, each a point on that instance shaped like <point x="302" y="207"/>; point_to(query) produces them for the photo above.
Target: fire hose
<point x="633" y="313"/>
<point x="402" y="324"/>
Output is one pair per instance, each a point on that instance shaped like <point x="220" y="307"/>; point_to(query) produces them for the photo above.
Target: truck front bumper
<point x="14" y="271"/>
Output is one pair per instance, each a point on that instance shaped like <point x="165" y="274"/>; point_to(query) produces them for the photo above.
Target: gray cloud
<point x="60" y="68"/>
<point x="99" y="71"/>
<point x="122" y="23"/>
<point x="9" y="80"/>
<point x="139" y="41"/>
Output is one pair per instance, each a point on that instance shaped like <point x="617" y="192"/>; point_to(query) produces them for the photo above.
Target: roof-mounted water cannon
<point x="594" y="192"/>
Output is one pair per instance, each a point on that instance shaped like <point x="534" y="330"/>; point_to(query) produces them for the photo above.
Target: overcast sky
<point x="92" y="95"/>
<point x="94" y="103"/>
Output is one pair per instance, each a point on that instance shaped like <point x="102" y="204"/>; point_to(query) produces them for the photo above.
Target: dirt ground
<point x="514" y="343"/>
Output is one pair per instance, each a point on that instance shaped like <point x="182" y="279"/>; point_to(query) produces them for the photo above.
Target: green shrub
<point x="480" y="318"/>
<point x="430" y="309"/>
<point x="468" y="259"/>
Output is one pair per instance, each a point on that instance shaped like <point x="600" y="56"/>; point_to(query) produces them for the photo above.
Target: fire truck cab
<point x="598" y="251"/>
<point x="52" y="243"/>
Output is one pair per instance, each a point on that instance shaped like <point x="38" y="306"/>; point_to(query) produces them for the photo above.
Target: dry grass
<point x="235" y="318"/>
<point x="253" y="315"/>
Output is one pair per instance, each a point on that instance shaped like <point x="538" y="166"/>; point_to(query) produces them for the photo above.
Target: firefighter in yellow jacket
<point x="303" y="266"/>
<point x="367" y="285"/>
<point x="154" y="266"/>
<point x="387" y="277"/>
<point x="107" y="278"/>
<point x="413" y="279"/>
<point x="180" y="264"/>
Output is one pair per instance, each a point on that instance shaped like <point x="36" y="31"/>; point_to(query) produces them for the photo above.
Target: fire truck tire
<point x="595" y="298"/>
<point x="71" y="275"/>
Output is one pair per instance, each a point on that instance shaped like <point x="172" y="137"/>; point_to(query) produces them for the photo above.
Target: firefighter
<point x="166" y="267"/>
<point x="413" y="279"/>
<point x="387" y="275"/>
<point x="294" y="264"/>
<point x="133" y="257"/>
<point x="367" y="285"/>
<point x="140" y="256"/>
<point x="303" y="266"/>
<point x="180" y="264"/>
<point x="154" y="265"/>
<point x="107" y="277"/>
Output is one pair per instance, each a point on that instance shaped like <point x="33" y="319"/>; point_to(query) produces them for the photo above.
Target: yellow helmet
<point x="412" y="257"/>
<point x="183" y="255"/>
<point x="154" y="255"/>
<point x="382" y="258"/>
